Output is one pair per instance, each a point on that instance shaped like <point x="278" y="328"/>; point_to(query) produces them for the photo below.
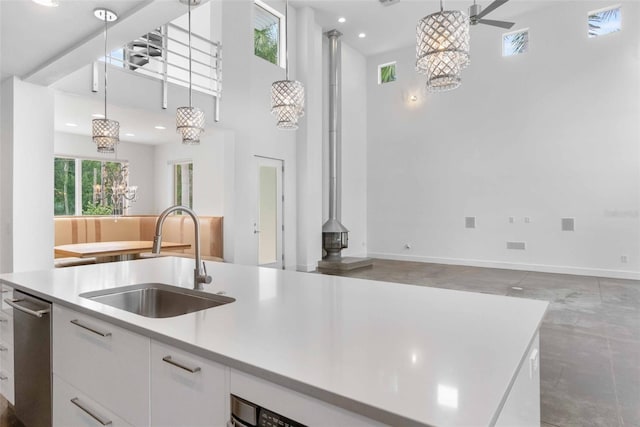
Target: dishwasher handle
<point x="36" y="313"/>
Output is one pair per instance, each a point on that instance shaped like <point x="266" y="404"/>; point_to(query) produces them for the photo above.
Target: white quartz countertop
<point x="401" y="354"/>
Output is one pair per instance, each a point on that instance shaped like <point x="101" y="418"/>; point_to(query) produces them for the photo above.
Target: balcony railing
<point x="164" y="54"/>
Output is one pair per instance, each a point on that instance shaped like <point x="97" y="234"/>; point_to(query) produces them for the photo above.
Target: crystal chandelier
<point x="106" y="133"/>
<point x="442" y="48"/>
<point x="115" y="188"/>
<point x="287" y="96"/>
<point x="190" y="120"/>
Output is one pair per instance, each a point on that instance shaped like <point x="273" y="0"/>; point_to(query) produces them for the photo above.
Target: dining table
<point x="113" y="250"/>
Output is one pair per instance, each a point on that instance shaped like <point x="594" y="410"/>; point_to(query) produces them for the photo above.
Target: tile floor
<point x="590" y="337"/>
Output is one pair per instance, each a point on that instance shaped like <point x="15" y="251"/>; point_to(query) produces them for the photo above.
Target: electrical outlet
<point x="624" y="259"/>
<point x="517" y="245"/>
<point x="511" y="220"/>
<point x="527" y="220"/>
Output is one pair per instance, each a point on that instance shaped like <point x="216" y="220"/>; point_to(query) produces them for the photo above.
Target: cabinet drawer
<point x="6" y="292"/>
<point x="6" y="328"/>
<point x="180" y="397"/>
<point x="73" y="408"/>
<point x="7" y="386"/>
<point x="106" y="362"/>
<point x="6" y="357"/>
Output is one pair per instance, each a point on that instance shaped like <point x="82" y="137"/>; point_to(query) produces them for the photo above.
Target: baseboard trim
<point x="543" y="268"/>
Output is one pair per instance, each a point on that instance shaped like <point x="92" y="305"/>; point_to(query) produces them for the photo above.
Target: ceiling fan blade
<point x="501" y="24"/>
<point x="493" y="6"/>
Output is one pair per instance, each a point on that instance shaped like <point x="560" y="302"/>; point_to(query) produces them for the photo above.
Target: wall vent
<point x="388" y="2"/>
<point x="470" y="222"/>
<point x="517" y="245"/>
<point x="568" y="224"/>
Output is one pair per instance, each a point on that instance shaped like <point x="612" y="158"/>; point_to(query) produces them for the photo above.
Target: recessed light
<point x="71" y="125"/>
<point x="362" y="35"/>
<point x="129" y="134"/>
<point x="48" y="3"/>
<point x="98" y="116"/>
<point x="160" y="127"/>
<point x="342" y="20"/>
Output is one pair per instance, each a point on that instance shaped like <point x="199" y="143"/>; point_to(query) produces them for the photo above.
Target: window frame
<point x="395" y="73"/>
<point x="511" y="33"/>
<point x="604" y="9"/>
<point x="282" y="38"/>
<point x="78" y="205"/>
<point x="173" y="170"/>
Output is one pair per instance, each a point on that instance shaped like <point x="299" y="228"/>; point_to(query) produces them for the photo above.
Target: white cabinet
<point x="187" y="390"/>
<point x="106" y="362"/>
<point x="522" y="407"/>
<point x="6" y="345"/>
<point x="74" y="408"/>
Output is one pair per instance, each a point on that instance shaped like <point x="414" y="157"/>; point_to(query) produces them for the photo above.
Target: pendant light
<point x="442" y="48"/>
<point x="287" y="96"/>
<point x="190" y="120"/>
<point x="106" y="133"/>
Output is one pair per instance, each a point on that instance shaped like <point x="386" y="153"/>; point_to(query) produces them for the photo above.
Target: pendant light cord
<point x="441" y="6"/>
<point x="105" y="64"/>
<point x="189" y="2"/>
<point x="286" y="38"/>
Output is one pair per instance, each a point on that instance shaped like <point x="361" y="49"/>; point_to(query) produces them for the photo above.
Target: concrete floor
<point x="589" y="340"/>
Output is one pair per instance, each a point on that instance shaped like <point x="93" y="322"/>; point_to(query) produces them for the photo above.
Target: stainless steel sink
<point x="157" y="300"/>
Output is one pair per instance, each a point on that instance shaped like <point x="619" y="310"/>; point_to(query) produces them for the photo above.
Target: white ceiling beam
<point x="147" y="16"/>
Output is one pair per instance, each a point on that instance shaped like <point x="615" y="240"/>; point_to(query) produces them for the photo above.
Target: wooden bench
<point x="176" y="228"/>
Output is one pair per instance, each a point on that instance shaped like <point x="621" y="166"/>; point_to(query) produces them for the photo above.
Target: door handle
<point x="255" y="228"/>
<point x="102" y="420"/>
<point x="36" y="313"/>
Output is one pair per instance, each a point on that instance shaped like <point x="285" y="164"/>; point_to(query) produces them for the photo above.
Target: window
<point x="64" y="186"/>
<point x="387" y="73"/>
<point x="183" y="184"/>
<point x="604" y="21"/>
<point x="268" y="40"/>
<point x="515" y="43"/>
<point x="83" y="187"/>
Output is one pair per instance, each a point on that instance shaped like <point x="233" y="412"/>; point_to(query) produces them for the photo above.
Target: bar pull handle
<point x="36" y="313"/>
<point x="3" y="320"/>
<point x="3" y="377"/>
<point x="3" y="348"/>
<point x="89" y="328"/>
<point x="102" y="420"/>
<point x="170" y="361"/>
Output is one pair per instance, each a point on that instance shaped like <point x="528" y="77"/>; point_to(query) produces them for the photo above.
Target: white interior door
<point x="269" y="227"/>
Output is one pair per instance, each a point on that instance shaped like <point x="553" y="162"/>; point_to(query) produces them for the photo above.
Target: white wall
<point x="27" y="153"/>
<point x="354" y="150"/>
<point x="246" y="110"/>
<point x="208" y="173"/>
<point x="139" y="156"/>
<point x="309" y="141"/>
<point x="549" y="134"/>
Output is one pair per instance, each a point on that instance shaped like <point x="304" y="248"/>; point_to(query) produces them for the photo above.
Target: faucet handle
<point x="207" y="278"/>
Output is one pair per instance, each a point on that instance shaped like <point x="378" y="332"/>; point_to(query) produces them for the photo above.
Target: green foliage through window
<point x="64" y="184"/>
<point x="387" y="73"/>
<point x="266" y="34"/>
<point x="183" y="184"/>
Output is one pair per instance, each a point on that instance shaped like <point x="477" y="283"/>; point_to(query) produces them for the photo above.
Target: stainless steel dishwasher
<point x="32" y="359"/>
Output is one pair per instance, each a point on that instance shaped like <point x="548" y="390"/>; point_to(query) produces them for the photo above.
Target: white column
<point x="309" y="142"/>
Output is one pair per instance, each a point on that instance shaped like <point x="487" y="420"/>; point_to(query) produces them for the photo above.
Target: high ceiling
<point x="394" y="26"/>
<point x="44" y="44"/>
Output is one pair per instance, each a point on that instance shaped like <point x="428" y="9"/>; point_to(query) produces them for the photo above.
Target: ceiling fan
<point x="476" y="13"/>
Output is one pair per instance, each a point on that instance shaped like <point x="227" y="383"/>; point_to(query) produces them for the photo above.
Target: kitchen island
<point x="369" y="352"/>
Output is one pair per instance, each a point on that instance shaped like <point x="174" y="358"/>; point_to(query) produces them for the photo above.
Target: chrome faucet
<point x="200" y="275"/>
